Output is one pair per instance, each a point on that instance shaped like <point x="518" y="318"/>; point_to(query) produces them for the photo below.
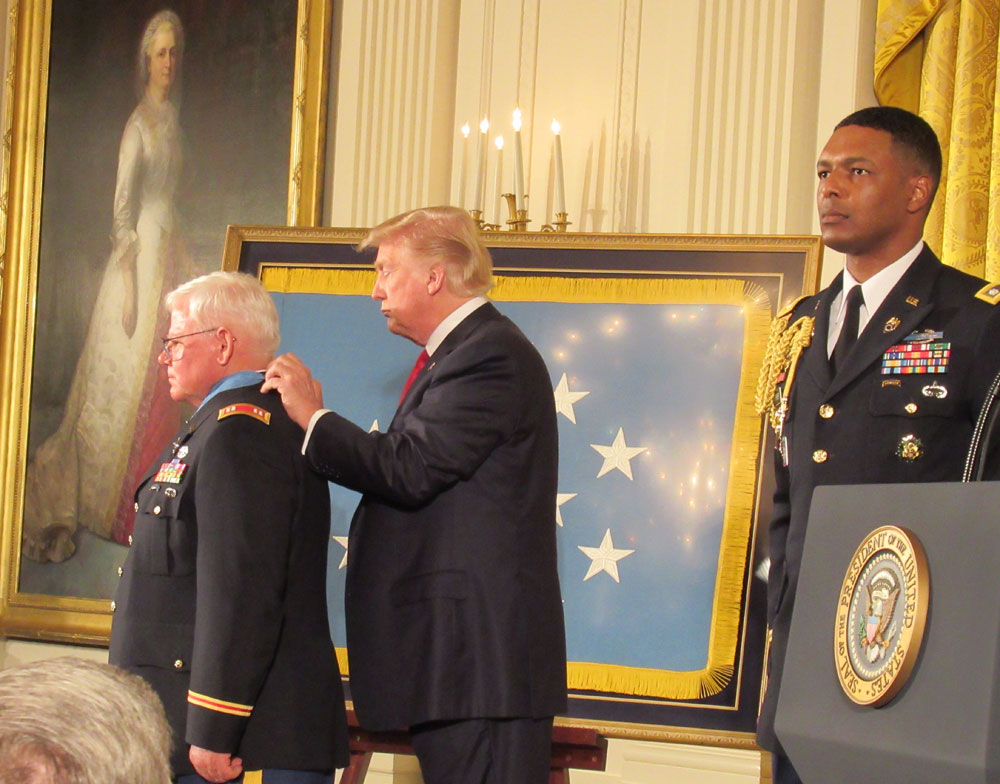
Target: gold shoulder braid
<point x="784" y="347"/>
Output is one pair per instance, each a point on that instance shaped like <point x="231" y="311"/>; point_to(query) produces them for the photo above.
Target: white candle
<point x="497" y="210"/>
<point x="560" y="201"/>
<point x="518" y="163"/>
<point x="477" y="195"/>
<point x="462" y="176"/>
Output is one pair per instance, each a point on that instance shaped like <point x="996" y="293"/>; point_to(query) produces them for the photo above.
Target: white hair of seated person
<point x="72" y="721"/>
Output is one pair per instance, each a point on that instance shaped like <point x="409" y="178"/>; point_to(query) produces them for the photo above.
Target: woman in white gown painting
<point x="119" y="414"/>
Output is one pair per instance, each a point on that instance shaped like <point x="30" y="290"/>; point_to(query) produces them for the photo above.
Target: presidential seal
<point x="880" y="615"/>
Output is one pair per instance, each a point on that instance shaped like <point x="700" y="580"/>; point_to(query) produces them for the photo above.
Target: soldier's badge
<point x="182" y="452"/>
<point x="910" y="448"/>
<point x="989" y="293"/>
<point x="881" y="614"/>
<point x="891" y="325"/>
<point x="171" y="472"/>
<point x="917" y="356"/>
<point x="935" y="390"/>
<point x="923" y="336"/>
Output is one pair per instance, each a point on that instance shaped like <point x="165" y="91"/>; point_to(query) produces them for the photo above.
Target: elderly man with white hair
<point x="222" y="603"/>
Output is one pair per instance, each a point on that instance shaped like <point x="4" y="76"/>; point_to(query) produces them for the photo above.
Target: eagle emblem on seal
<point x="883" y="593"/>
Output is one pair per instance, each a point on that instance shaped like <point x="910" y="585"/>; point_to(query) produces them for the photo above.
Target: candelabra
<point x="559" y="224"/>
<point x="518" y="220"/>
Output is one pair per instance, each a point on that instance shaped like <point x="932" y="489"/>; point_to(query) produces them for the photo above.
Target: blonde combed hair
<point x="445" y="234"/>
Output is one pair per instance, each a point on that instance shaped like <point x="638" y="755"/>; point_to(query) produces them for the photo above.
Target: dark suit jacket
<point x="859" y="439"/>
<point x="453" y="601"/>
<point x="222" y="602"/>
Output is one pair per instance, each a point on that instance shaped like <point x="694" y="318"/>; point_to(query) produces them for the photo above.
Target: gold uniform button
<point x="826" y="411"/>
<point x="820" y="456"/>
<point x="130" y="539"/>
<point x="178" y="664"/>
<point x="113" y="606"/>
<point x="910" y="408"/>
<point x="137" y="506"/>
<point x="120" y="571"/>
<point x="156" y="510"/>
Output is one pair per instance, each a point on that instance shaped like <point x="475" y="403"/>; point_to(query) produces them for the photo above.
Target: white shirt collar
<point x="878" y="286"/>
<point x="874" y="290"/>
<point x="452" y="320"/>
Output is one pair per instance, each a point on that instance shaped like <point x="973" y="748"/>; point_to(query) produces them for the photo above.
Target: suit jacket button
<point x="178" y="664"/>
<point x="826" y="411"/>
<point x="820" y="456"/>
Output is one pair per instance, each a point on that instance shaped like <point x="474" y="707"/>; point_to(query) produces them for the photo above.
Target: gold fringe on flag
<point x="746" y="443"/>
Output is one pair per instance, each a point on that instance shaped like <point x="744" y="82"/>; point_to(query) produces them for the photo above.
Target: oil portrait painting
<point x="161" y="126"/>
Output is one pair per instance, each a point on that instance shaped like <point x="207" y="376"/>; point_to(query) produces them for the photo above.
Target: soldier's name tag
<point x="917" y="356"/>
<point x="171" y="472"/>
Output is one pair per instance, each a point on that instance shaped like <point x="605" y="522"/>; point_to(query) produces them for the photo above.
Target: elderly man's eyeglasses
<point x="173" y="349"/>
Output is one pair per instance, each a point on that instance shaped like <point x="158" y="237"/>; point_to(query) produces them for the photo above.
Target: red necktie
<point x="417" y="367"/>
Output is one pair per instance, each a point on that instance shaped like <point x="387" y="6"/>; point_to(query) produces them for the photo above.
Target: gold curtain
<point x="939" y="58"/>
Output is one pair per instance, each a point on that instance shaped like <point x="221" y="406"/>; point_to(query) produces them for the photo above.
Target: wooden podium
<point x="572" y="747"/>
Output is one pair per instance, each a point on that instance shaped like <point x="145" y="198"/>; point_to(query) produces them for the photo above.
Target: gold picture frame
<point x="33" y="119"/>
<point x="321" y="286"/>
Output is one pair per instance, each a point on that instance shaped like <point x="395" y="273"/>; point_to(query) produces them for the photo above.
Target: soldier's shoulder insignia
<point x="989" y="293"/>
<point x="791" y="306"/>
<point x="246" y="409"/>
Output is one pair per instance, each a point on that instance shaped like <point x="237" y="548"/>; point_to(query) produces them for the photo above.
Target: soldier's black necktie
<point x="849" y="329"/>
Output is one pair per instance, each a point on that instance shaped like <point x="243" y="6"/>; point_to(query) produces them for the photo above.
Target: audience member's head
<point x="72" y="721"/>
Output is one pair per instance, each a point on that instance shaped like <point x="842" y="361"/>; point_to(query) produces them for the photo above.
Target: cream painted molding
<point x="395" y="102"/>
<point x="744" y="101"/>
<point x="625" y="141"/>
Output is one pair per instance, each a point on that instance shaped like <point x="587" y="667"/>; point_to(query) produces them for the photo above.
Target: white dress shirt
<point x="874" y="290"/>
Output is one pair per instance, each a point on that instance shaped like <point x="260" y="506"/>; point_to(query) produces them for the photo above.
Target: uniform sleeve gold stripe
<point x="221" y="706"/>
<point x="253" y="777"/>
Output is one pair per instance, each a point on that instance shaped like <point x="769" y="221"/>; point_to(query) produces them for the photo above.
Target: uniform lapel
<point x="899" y="314"/>
<point x="815" y="361"/>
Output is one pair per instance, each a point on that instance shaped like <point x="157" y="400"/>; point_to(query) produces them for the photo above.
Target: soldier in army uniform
<point x="222" y="602"/>
<point x="879" y="377"/>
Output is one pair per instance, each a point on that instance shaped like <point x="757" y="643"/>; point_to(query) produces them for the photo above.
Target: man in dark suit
<point x="222" y="601"/>
<point x="891" y="377"/>
<point x="454" y="617"/>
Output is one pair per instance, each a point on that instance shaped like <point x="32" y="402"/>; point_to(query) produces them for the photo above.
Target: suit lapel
<point x="455" y="338"/>
<point x="898" y="315"/>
